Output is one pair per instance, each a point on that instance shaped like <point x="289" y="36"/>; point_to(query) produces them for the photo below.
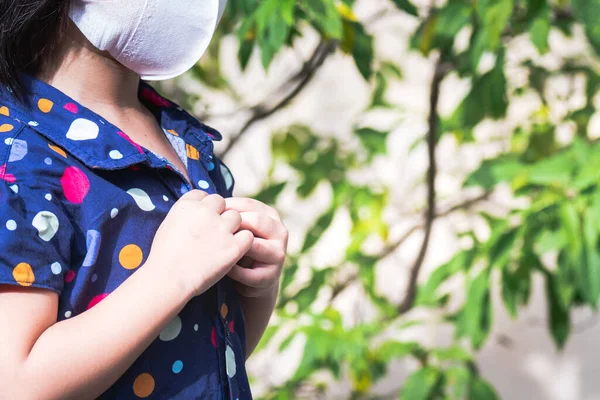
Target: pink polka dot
<point x="213" y="336"/>
<point x="75" y="185"/>
<point x="137" y="146"/>
<point x="230" y="325"/>
<point x="154" y="98"/>
<point x="10" y="178"/>
<point x="97" y="300"/>
<point x="72" y="107"/>
<point x="69" y="276"/>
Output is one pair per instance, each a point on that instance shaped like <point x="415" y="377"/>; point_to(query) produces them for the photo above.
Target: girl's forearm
<point x="257" y="313"/>
<point x="81" y="357"/>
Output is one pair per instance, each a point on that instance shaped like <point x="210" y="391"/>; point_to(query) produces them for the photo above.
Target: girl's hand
<point x="199" y="241"/>
<point x="258" y="272"/>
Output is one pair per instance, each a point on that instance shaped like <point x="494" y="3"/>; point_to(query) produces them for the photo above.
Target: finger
<point x="258" y="278"/>
<point x="215" y="202"/>
<point x="262" y="225"/>
<point x="266" y="251"/>
<point x="232" y="220"/>
<point x="243" y="204"/>
<point x="243" y="239"/>
<point x="195" y="195"/>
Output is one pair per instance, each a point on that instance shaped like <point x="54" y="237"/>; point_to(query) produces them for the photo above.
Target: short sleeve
<point x="223" y="178"/>
<point x="35" y="238"/>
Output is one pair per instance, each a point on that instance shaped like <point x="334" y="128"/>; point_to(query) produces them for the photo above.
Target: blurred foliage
<point x="558" y="181"/>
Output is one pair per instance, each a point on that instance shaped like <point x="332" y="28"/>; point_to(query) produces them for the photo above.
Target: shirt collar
<point x="90" y="138"/>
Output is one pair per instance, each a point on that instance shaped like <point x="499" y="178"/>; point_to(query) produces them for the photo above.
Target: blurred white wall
<point x="520" y="358"/>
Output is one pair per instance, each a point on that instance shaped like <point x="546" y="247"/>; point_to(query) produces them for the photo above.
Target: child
<point x="126" y="269"/>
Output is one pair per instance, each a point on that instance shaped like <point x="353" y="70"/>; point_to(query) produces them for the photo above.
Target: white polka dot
<point x="165" y="198"/>
<point x="196" y="327"/>
<point x="230" y="362"/>
<point x="8" y="141"/>
<point x="14" y="188"/>
<point x="141" y="199"/>
<point x="94" y="278"/>
<point x="115" y="154"/>
<point x="68" y="314"/>
<point x="33" y="123"/>
<point x="56" y="268"/>
<point x="48" y="161"/>
<point x="113" y="212"/>
<point x="172" y="330"/>
<point x="48" y="196"/>
<point x="47" y="225"/>
<point x="83" y="129"/>
<point x="203" y="184"/>
<point x="11" y="225"/>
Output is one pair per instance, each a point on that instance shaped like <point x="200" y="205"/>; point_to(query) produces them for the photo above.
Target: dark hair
<point x="29" y="31"/>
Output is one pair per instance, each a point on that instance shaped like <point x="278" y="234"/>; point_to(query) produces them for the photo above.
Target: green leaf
<point x="454" y="353"/>
<point x="420" y="384"/>
<point x="269" y="194"/>
<point x="556" y="170"/>
<point x="373" y="140"/>
<point x="588" y="11"/>
<point x="325" y="17"/>
<point x="427" y="294"/>
<point x="516" y="285"/>
<point x="315" y="232"/>
<point x="407" y="7"/>
<point x="390" y="350"/>
<point x="362" y="51"/>
<point x="540" y="29"/>
<point x="482" y="390"/>
<point x="475" y="318"/>
<point x="590" y="274"/>
<point x="558" y="314"/>
<point x="492" y="172"/>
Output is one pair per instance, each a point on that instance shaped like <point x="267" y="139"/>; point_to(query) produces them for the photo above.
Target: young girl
<point x="126" y="270"/>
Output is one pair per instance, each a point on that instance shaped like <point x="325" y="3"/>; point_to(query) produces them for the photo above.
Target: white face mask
<point x="158" y="39"/>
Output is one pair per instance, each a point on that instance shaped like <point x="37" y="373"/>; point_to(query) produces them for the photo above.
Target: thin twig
<point x="440" y="71"/>
<point x="301" y="79"/>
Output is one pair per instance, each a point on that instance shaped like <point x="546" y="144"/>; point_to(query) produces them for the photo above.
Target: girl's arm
<point x="81" y="357"/>
<point x="257" y="313"/>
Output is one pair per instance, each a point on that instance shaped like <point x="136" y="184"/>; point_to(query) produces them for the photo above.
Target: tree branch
<point x="440" y="71"/>
<point x="300" y="79"/>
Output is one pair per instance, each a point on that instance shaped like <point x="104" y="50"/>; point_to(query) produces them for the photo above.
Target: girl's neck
<point x="90" y="76"/>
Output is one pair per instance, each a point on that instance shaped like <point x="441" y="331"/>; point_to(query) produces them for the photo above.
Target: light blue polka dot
<point x="177" y="366"/>
<point x="203" y="184"/>
<point x="48" y="161"/>
<point x="211" y="166"/>
<point x="184" y="189"/>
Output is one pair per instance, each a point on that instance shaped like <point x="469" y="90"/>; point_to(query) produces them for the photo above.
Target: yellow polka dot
<point x="6" y="128"/>
<point x="131" y="256"/>
<point x="172" y="132"/>
<point x="4" y="111"/>
<point x="143" y="386"/>
<point x="45" y="105"/>
<point x="23" y="274"/>
<point x="192" y="152"/>
<point x="224" y="310"/>
<point x="58" y="150"/>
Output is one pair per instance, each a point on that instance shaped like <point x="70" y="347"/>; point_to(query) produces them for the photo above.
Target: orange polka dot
<point x="143" y="386"/>
<point x="58" y="150"/>
<point x="23" y="274"/>
<point x="192" y="152"/>
<point x="172" y="132"/>
<point x="4" y="111"/>
<point x="45" y="105"/>
<point x="224" y="310"/>
<point x="6" y="128"/>
<point x="131" y="256"/>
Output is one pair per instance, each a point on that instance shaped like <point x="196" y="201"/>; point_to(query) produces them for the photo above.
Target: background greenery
<point x="559" y="218"/>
